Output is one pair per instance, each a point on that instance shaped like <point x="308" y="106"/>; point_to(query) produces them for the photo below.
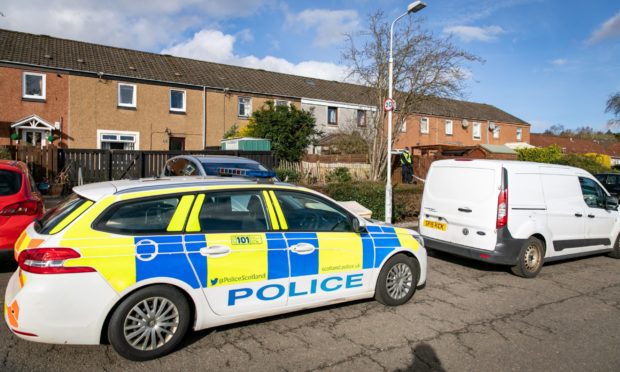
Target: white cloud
<point x="609" y="29"/>
<point x="473" y="33"/>
<point x="136" y="24"/>
<point x="215" y="46"/>
<point x="559" y="62"/>
<point x="330" y="25"/>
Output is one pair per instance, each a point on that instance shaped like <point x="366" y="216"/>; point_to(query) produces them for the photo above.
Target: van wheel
<point x="149" y="323"/>
<point x="615" y="252"/>
<point x="397" y="281"/>
<point x="530" y="259"/>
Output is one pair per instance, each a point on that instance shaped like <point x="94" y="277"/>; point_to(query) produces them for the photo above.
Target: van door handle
<point x="465" y="210"/>
<point x="578" y="215"/>
<point x="590" y="216"/>
<point x="215" y="250"/>
<point x="302" y="248"/>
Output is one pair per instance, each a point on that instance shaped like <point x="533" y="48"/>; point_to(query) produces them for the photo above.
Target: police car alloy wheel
<point x="397" y="281"/>
<point x="149" y="323"/>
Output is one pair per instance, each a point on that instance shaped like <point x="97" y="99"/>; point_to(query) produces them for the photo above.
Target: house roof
<point x="81" y="57"/>
<point x="576" y="145"/>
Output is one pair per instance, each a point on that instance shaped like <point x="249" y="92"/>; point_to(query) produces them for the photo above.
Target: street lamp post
<point x="414" y="7"/>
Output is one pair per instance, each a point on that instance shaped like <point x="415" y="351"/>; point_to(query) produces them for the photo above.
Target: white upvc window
<point x="403" y="128"/>
<point x="519" y="134"/>
<point x="177" y="100"/>
<point x="449" y="128"/>
<point x="424" y="125"/>
<point x="496" y="131"/>
<point x="244" y="107"/>
<point x="476" y="131"/>
<point x="33" y="85"/>
<point x="127" y="94"/>
<point x="281" y="102"/>
<point x="117" y="140"/>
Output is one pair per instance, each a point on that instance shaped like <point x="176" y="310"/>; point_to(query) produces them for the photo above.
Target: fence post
<point x="109" y="165"/>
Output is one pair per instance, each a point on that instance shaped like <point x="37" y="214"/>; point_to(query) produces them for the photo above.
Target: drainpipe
<point x="204" y="117"/>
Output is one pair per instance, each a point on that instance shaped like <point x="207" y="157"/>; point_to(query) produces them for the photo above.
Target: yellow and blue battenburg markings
<point x="157" y="255"/>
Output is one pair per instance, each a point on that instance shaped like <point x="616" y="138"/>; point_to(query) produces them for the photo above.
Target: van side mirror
<point x="611" y="203"/>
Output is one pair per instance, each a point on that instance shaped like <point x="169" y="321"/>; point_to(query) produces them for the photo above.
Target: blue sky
<point x="546" y="61"/>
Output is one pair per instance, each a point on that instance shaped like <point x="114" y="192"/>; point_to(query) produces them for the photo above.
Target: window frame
<point x="451" y="125"/>
<point x="43" y="77"/>
<point x="247" y="102"/>
<point x="424" y="129"/>
<point x="331" y="204"/>
<point x="473" y="131"/>
<point x="134" y="97"/>
<point x="184" y="107"/>
<point x="497" y="131"/>
<point x="361" y="123"/>
<point x="519" y="134"/>
<point x="118" y="133"/>
<point x="601" y="191"/>
<point x="329" y="109"/>
<point x="279" y="101"/>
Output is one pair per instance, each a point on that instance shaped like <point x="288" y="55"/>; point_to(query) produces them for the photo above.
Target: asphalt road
<point x="470" y="317"/>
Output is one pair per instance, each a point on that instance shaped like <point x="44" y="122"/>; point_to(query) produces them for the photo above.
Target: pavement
<point x="470" y="317"/>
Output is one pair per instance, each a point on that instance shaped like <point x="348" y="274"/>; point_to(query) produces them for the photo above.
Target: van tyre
<point x="149" y="323"/>
<point x="615" y="252"/>
<point x="397" y="280"/>
<point x="530" y="260"/>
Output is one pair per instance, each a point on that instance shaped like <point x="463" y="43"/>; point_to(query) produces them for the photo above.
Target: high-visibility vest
<point x="405" y="158"/>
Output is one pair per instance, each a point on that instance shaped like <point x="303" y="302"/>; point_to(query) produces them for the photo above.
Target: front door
<point x="326" y="256"/>
<point x="241" y="267"/>
<point x="600" y="221"/>
<point x="176" y="144"/>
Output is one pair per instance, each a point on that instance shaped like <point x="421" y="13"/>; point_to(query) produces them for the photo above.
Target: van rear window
<point x="56" y="215"/>
<point x="10" y="182"/>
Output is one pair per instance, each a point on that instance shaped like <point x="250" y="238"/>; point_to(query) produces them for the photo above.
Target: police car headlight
<point x="419" y="239"/>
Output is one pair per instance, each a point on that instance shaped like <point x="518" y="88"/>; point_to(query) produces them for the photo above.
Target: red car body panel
<point x="11" y="226"/>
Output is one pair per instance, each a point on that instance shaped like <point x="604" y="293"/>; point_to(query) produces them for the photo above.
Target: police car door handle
<point x="302" y="248"/>
<point x="215" y="250"/>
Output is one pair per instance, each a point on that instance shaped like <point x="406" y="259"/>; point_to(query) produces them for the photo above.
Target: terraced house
<point x="83" y="95"/>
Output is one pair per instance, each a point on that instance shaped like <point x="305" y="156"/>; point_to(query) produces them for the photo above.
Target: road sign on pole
<point x="388" y="104"/>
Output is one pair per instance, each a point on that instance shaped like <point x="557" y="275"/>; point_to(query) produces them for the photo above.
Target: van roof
<point x="511" y="164"/>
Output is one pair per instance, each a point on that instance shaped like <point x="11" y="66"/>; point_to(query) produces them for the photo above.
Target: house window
<point x="33" y="85"/>
<point x="403" y="127"/>
<point x="332" y="115"/>
<point x="117" y="140"/>
<point x="176" y="144"/>
<point x="244" y="107"/>
<point x="361" y="118"/>
<point x="496" y="131"/>
<point x="126" y="95"/>
<point x="519" y="134"/>
<point x="477" y="131"/>
<point x="449" y="128"/>
<point x="424" y="125"/>
<point x="177" y="100"/>
<point x="281" y="103"/>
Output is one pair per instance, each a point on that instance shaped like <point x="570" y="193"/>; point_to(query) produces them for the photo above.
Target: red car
<point x="20" y="201"/>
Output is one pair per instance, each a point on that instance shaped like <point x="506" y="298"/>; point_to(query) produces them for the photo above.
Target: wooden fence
<point x="90" y="165"/>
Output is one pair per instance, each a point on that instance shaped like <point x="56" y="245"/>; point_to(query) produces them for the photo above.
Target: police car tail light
<point x="50" y="261"/>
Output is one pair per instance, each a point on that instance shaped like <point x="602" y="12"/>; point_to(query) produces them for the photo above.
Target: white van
<point x="517" y="213"/>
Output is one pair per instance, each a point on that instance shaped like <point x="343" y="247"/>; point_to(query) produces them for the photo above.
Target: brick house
<point x="95" y="96"/>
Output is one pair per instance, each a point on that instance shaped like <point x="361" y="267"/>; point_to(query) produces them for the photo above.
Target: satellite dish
<point x="465" y="123"/>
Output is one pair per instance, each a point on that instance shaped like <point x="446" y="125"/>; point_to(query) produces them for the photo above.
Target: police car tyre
<point x="397" y="280"/>
<point x="530" y="260"/>
<point x="615" y="252"/>
<point x="149" y="323"/>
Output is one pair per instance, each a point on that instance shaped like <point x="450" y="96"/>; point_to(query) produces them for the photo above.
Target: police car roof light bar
<point x="250" y="173"/>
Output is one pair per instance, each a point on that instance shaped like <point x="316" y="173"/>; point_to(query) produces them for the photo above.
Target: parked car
<point x="517" y="213"/>
<point x="611" y="181"/>
<point x="207" y="165"/>
<point x="142" y="261"/>
<point x="20" y="202"/>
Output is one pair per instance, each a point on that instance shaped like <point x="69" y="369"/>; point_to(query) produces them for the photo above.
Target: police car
<point x="137" y="263"/>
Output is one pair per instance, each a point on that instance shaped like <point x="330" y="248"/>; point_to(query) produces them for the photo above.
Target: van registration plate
<point x="435" y="225"/>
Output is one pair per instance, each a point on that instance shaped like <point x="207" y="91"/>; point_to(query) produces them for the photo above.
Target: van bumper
<point x="506" y="251"/>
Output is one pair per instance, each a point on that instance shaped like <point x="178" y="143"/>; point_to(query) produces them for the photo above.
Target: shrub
<point x="549" y="154"/>
<point x="287" y="175"/>
<point x="5" y="153"/>
<point x="338" y="175"/>
<point x="584" y="162"/>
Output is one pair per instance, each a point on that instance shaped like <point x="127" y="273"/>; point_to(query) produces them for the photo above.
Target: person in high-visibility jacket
<point x="406" y="166"/>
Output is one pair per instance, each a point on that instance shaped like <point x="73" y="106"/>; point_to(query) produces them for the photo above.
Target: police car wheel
<point x="615" y="252"/>
<point x="149" y="323"/>
<point x="397" y="281"/>
<point x="530" y="260"/>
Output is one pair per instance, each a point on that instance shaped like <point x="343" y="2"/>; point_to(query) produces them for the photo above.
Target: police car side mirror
<point x="611" y="203"/>
<point x="358" y="226"/>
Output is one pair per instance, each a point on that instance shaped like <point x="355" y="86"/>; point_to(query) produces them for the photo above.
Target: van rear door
<point x="460" y="203"/>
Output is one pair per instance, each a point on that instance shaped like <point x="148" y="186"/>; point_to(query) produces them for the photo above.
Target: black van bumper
<point x="506" y="250"/>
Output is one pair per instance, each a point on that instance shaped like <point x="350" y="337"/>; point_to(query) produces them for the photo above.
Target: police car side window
<point x="139" y="216"/>
<point x="306" y="212"/>
<point x="234" y="211"/>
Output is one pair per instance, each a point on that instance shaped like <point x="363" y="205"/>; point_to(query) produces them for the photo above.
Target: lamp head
<point x="415" y="7"/>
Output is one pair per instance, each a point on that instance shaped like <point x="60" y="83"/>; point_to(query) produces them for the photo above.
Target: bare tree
<point x="425" y="67"/>
<point x="613" y="106"/>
